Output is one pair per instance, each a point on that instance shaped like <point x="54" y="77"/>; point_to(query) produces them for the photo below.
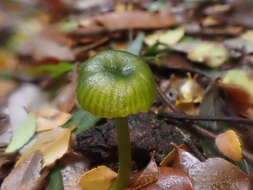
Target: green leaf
<point x="55" y="70"/>
<point x="83" y="120"/>
<point x="23" y="134"/>
<point x="136" y="45"/>
<point x="55" y="180"/>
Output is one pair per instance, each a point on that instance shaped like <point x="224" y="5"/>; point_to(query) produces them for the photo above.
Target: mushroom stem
<point x="124" y="152"/>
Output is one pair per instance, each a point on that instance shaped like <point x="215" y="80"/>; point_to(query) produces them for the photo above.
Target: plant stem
<point x="124" y="152"/>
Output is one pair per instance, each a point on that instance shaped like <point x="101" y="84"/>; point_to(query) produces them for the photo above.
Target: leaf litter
<point x="201" y="55"/>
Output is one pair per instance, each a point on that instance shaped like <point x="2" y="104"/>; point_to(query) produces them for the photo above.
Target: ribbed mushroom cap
<point x="115" y="84"/>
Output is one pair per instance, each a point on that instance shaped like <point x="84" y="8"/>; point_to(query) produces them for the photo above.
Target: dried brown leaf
<point x="214" y="173"/>
<point x="147" y="176"/>
<point x="217" y="173"/>
<point x="26" y="176"/>
<point x="171" y="179"/>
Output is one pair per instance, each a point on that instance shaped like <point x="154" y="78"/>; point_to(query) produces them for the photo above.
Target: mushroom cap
<point x="115" y="84"/>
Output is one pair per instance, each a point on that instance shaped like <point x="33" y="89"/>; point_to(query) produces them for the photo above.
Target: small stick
<point x="205" y="118"/>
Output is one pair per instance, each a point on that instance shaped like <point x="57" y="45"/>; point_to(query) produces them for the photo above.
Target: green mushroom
<point x="114" y="84"/>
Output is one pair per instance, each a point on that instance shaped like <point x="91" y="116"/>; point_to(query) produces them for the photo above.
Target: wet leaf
<point x="214" y="173"/>
<point x="212" y="54"/>
<point x="171" y="156"/>
<point x="219" y="174"/>
<point x="55" y="180"/>
<point x="185" y="160"/>
<point x="229" y="144"/>
<point x="100" y="178"/>
<point x="147" y="176"/>
<point x="23" y="134"/>
<point x="172" y="179"/>
<point x="26" y="175"/>
<point x="52" y="144"/>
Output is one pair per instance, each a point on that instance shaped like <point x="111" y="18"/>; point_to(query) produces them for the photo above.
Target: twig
<point x="201" y="131"/>
<point x="212" y="136"/>
<point x="205" y="118"/>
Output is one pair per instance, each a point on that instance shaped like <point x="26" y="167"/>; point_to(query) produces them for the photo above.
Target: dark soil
<point x="148" y="134"/>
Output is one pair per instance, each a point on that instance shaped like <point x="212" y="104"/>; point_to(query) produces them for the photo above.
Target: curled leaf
<point x="229" y="144"/>
<point x="147" y="176"/>
<point x="100" y="178"/>
<point x="172" y="179"/>
<point x="191" y="91"/>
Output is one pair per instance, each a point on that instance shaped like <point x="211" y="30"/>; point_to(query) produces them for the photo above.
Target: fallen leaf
<point x="23" y="134"/>
<point x="6" y="164"/>
<point x="171" y="179"/>
<point x="49" y="118"/>
<point x="52" y="144"/>
<point x="74" y="167"/>
<point x="211" y="54"/>
<point x="26" y="97"/>
<point x="238" y="98"/>
<point x="217" y="173"/>
<point x="141" y="179"/>
<point x="229" y="144"/>
<point x="191" y="91"/>
<point x="26" y="175"/>
<point x="214" y="173"/>
<point x="239" y="78"/>
<point x="100" y="178"/>
<point x="169" y="38"/>
<point x="184" y="160"/>
<point x="128" y="19"/>
<point x="171" y="156"/>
